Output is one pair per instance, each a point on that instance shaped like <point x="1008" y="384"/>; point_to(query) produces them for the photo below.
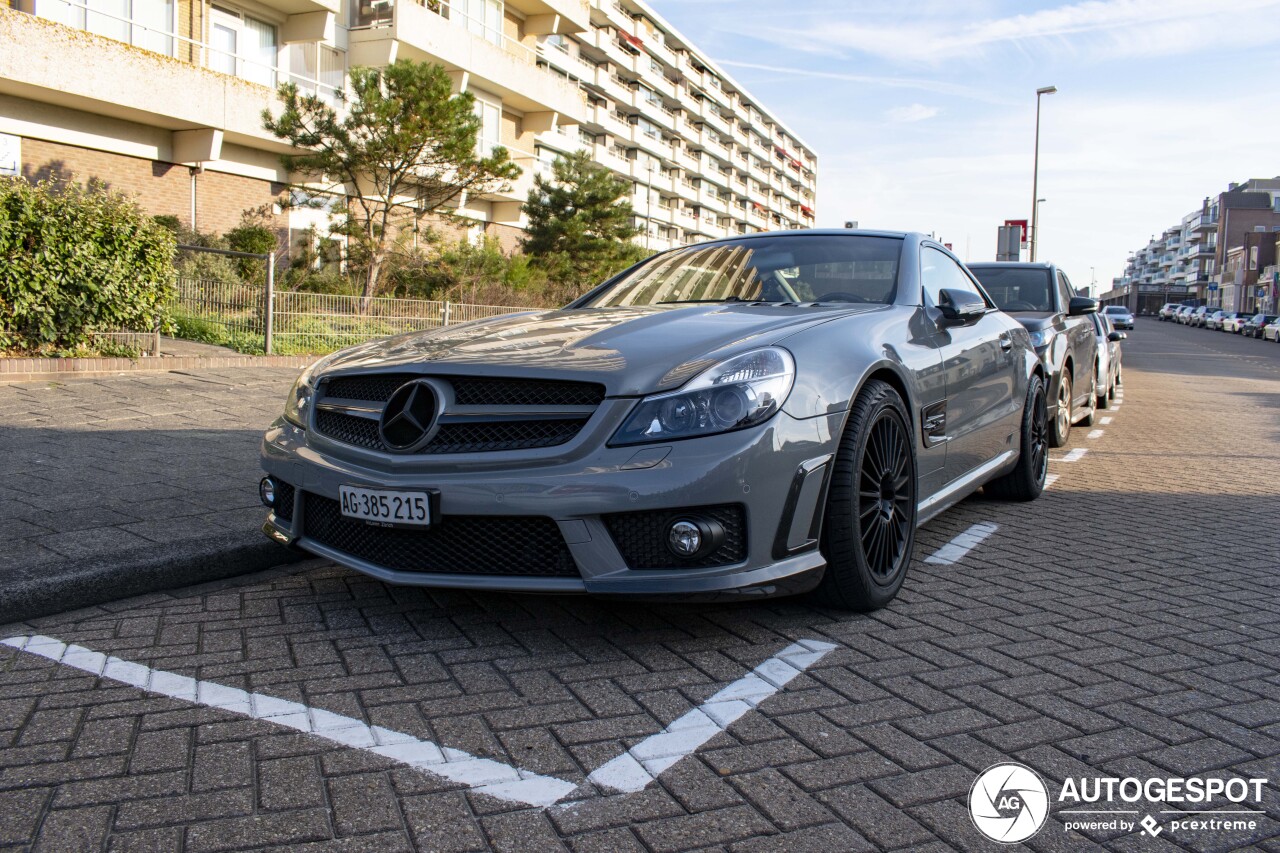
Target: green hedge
<point x="74" y="259"/>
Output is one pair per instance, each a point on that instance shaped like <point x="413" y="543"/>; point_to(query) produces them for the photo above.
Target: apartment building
<point x="1189" y="262"/>
<point x="163" y="99"/>
<point x="705" y="159"/>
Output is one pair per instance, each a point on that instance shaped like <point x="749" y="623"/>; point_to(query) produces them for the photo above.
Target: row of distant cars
<point x="1247" y="323"/>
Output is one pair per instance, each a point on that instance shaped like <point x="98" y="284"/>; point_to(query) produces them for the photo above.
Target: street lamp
<point x="1035" y="173"/>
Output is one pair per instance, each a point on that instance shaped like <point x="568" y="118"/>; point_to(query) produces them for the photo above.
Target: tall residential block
<point x="162" y="98"/>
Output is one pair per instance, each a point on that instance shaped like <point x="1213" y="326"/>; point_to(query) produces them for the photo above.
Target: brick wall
<point x="160" y="188"/>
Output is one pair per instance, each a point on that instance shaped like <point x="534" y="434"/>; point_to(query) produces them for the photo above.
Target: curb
<point x="55" y="588"/>
<point x="44" y="369"/>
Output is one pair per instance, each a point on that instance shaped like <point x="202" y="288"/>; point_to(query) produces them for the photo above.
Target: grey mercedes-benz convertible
<point x="761" y="415"/>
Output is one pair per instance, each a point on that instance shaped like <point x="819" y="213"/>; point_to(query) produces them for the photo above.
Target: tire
<point x="869" y="526"/>
<point x="1026" y="481"/>
<point x="1092" y="414"/>
<point x="1060" y="428"/>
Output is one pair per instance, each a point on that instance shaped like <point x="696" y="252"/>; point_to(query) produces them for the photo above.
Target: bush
<point x="77" y="259"/>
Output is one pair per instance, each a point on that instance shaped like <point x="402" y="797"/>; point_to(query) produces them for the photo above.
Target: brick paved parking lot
<point x="1127" y="624"/>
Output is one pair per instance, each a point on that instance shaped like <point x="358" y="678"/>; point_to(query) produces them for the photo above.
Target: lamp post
<point x="1035" y="173"/>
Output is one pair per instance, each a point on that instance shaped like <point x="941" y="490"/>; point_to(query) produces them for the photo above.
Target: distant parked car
<point x="1253" y="327"/>
<point x="1041" y="298"/>
<point x="1167" y="311"/>
<point x="1196" y="318"/>
<point x="1184" y="314"/>
<point x="1271" y="331"/>
<point x="1232" y="321"/>
<point x="1119" y="316"/>
<point x="1108" y="359"/>
<point x="1214" y="320"/>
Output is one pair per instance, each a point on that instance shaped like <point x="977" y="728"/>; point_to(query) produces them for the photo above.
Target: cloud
<point x="914" y="112"/>
<point x="889" y="81"/>
<point x="1125" y="27"/>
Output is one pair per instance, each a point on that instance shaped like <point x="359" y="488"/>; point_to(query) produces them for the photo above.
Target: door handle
<point x="1006" y="343"/>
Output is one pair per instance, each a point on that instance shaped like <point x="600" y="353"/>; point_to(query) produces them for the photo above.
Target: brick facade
<point x="162" y="189"/>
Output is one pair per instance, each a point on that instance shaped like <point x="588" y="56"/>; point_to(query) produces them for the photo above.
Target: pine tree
<point x="580" y="225"/>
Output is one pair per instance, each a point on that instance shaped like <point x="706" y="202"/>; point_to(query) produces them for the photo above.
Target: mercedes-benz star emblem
<point x="409" y="416"/>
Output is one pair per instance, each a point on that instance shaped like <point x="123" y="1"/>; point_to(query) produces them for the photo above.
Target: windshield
<point x="1017" y="288"/>
<point x="1116" y="309"/>
<point x="787" y="268"/>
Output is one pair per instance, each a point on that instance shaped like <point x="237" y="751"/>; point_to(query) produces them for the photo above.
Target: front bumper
<point x="776" y="473"/>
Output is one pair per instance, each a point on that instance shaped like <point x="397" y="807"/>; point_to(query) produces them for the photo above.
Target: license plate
<point x="389" y="509"/>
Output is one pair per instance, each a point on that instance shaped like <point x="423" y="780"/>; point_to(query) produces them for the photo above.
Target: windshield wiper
<point x="699" y="301"/>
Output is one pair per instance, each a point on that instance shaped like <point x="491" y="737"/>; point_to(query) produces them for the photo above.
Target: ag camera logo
<point x="1008" y="803"/>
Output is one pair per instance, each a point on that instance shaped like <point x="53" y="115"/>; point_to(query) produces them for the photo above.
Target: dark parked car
<point x="1253" y="327"/>
<point x="1119" y="316"/>
<point x="1040" y="297"/>
<point x="759" y="415"/>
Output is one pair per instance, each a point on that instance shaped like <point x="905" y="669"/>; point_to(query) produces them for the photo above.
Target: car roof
<point x="1028" y="265"/>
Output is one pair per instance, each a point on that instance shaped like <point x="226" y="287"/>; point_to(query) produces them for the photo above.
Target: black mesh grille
<point x="456" y="438"/>
<point x="502" y="435"/>
<point x="458" y="544"/>
<point x="284" y="501"/>
<point x="525" y="392"/>
<point x="471" y="392"/>
<point x="349" y="429"/>
<point x="495" y="434"/>
<point x="377" y="387"/>
<point x="642" y="537"/>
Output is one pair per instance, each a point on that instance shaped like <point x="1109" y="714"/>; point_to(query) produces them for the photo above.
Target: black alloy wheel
<point x="869" y="525"/>
<point x="884" y="496"/>
<point x="1026" y="481"/>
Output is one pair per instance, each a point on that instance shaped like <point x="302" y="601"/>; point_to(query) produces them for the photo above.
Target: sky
<point x="922" y="112"/>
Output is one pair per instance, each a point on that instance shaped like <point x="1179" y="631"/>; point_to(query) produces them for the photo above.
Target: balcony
<point x="173" y="87"/>
<point x="1205" y="222"/>
<point x="381" y="34"/>
<point x="553" y="16"/>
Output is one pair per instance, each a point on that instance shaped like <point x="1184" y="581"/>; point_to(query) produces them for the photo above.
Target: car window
<point x="938" y="272"/>
<point x="1064" y="290"/>
<point x="1016" y="288"/>
<point x="783" y="268"/>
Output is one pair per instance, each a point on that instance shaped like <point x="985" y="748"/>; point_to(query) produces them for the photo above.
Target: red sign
<point x="1021" y="223"/>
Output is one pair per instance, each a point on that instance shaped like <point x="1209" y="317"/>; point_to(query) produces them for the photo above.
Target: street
<point x="1125" y="624"/>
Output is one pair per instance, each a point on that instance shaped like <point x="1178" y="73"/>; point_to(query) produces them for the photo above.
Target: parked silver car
<point x="753" y="416"/>
<point x="1109" y="359"/>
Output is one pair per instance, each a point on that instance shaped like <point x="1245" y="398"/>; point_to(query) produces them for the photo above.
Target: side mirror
<point x="960" y="308"/>
<point x="1117" y="336"/>
<point x="1081" y="305"/>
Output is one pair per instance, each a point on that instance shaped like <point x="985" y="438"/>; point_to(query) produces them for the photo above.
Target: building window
<point x="481" y="17"/>
<point x="242" y="46"/>
<point x="147" y="24"/>
<point x="490" y="135"/>
<point x="317" y="69"/>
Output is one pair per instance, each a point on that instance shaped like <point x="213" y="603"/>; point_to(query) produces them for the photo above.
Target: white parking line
<point x="642" y="763"/>
<point x="1074" y="456"/>
<point x="631" y="771"/>
<point x="1050" y="479"/>
<point x="955" y="550"/>
<point x="1107" y="421"/>
<point x="485" y="775"/>
<point x="1097" y="433"/>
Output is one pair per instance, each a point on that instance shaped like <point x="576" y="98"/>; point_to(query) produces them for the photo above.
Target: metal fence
<point x="267" y="320"/>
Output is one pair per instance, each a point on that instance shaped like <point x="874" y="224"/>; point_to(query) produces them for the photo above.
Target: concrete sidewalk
<point x="115" y="486"/>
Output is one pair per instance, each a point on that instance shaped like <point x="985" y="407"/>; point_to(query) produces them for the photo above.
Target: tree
<point x="580" y="226"/>
<point x="403" y="146"/>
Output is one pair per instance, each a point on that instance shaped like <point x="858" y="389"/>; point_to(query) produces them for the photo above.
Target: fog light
<point x="684" y="538"/>
<point x="267" y="491"/>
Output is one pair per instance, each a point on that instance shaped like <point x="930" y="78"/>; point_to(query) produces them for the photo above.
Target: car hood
<point x="631" y="350"/>
<point x="1034" y="321"/>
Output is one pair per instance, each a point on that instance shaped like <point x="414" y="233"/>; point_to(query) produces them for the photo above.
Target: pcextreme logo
<point x="1009" y="803"/>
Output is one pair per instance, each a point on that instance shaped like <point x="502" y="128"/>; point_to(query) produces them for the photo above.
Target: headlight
<point x="297" y="407"/>
<point x="1038" y="339"/>
<point x="738" y="393"/>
